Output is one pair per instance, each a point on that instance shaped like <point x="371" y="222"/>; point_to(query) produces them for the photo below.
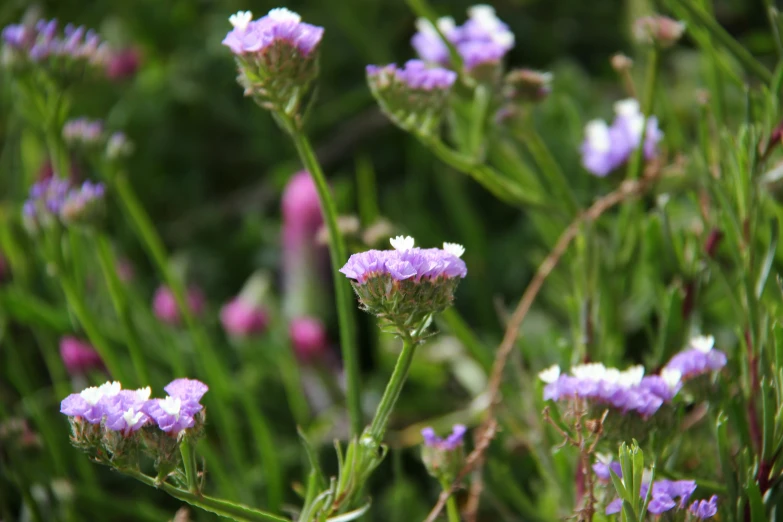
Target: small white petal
<point x="171" y="405"/>
<point x="110" y="389"/>
<point x="482" y="13"/>
<point x="402" y="243"/>
<point x="597" y="134"/>
<point x="632" y="376"/>
<point x="241" y="19"/>
<point x="281" y="14"/>
<point x="446" y="24"/>
<point x="550" y="375"/>
<point x="91" y="395"/>
<point x="671" y="377"/>
<point x="143" y="394"/>
<point x="454" y="249"/>
<point x="591" y="371"/>
<point x="628" y="107"/>
<point x="132" y="418"/>
<point x="425" y="27"/>
<point x="703" y="343"/>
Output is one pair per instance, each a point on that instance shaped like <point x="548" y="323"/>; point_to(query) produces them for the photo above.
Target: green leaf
<point x="351" y="515"/>
<point x="628" y="513"/>
<point x="755" y="501"/>
<point x="727" y="468"/>
<point x="312" y="458"/>
<point x="766" y="265"/>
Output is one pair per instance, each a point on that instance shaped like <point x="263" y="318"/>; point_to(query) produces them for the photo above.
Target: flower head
<point x="83" y="205"/>
<point x="704" y="509"/>
<point x="46" y="198"/>
<point x="165" y="305"/>
<point x="665" y="496"/>
<point x="658" y="30"/>
<point x="606" y="148"/>
<point x="308" y="338"/>
<point x="413" y="96"/>
<point x="243" y="318"/>
<point x="89" y="404"/>
<point x="124" y="410"/>
<point x="699" y="359"/>
<point x="443" y="456"/>
<point x="78" y="356"/>
<point x="450" y="443"/>
<point x="83" y="132"/>
<point x="527" y="85"/>
<point x="118" y="146"/>
<point x="276" y="55"/>
<point x="178" y="411"/>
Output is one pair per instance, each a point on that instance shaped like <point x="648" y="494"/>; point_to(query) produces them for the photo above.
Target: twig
<point x="627" y="189"/>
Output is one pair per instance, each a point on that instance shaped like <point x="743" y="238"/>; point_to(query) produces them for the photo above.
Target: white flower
<point x="550" y="375"/>
<point x="703" y="343"/>
<point x="241" y="19"/>
<point x="143" y="394"/>
<point x="597" y="135"/>
<point x="132" y="418"/>
<point x="484" y="15"/>
<point x="110" y="389"/>
<point x="671" y="377"/>
<point x="281" y="14"/>
<point x="91" y="395"/>
<point x="454" y="249"/>
<point x="171" y="405"/>
<point x="402" y="243"/>
<point x="446" y="24"/>
<point x="632" y="376"/>
<point x="591" y="371"/>
<point x="627" y="108"/>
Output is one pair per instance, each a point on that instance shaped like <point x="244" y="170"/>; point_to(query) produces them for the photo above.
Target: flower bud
<point x="527" y="85"/>
<point x="308" y="338"/>
<point x="621" y="63"/>
<point x="82" y="132"/>
<point x="242" y="318"/>
<point x="78" y="356"/>
<point x="406" y="285"/>
<point x="277" y="56"/>
<point x="658" y="30"/>
<point x="123" y="64"/>
<point x="164" y="305"/>
<point x="414" y="96"/>
<point x="443" y="458"/>
<point x="118" y="146"/>
<point x="83" y="206"/>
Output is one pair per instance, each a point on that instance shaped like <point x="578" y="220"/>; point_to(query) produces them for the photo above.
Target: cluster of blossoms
<point x="406" y="285"/>
<point x="606" y="148"/>
<point x="43" y="43"/>
<point x="443" y="457"/>
<point x="276" y="54"/>
<point x="91" y="134"/>
<point x="413" y="96"/>
<point x="631" y="390"/>
<point x="127" y="411"/>
<point x="665" y="495"/>
<point x="657" y="30"/>
<point x="53" y="200"/>
<point x="482" y="40"/>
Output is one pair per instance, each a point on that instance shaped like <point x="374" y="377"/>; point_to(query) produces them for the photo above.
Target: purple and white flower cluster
<point x="700" y="358"/>
<point x="127" y="411"/>
<point x="606" y="148"/>
<point x="406" y="262"/>
<point x="482" y="40"/>
<point x="83" y="131"/>
<point x="42" y="42"/>
<point x="443" y="457"/>
<point x="627" y="391"/>
<point x="413" y="96"/>
<point x="279" y="27"/>
<point x="665" y="495"/>
<point x="53" y="199"/>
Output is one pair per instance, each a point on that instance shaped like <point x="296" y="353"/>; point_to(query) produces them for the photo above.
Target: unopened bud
<point x="658" y="30"/>
<point x="621" y="63"/>
<point x="527" y="85"/>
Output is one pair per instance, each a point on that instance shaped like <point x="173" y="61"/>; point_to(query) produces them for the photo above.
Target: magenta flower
<point x="78" y="356"/>
<point x="123" y="64"/>
<point x="165" y="306"/>
<point x="308" y="338"/>
<point x="242" y="318"/>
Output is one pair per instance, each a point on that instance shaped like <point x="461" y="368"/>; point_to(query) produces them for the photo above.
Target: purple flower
<point x="663" y="496"/>
<point x="124" y="411"/>
<point x="428" y="44"/>
<point x="177" y="411"/>
<point x="39" y="42"/>
<point x="606" y="148"/>
<point x="614" y="506"/>
<point x="700" y="359"/>
<point x="83" y="204"/>
<point x="415" y="74"/>
<point x="83" y="131"/>
<point x="242" y="318"/>
<point x="89" y="404"/>
<point x="279" y="26"/>
<point x="407" y="262"/>
<point x="308" y="337"/>
<point x="45" y="202"/>
<point x="704" y="509"/>
<point x="450" y="443"/>
<point x="602" y="470"/>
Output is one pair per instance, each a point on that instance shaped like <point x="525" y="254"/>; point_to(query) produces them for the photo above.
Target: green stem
<point x="91" y="328"/>
<point x="118" y="299"/>
<point x="188" y="451"/>
<point x="451" y="504"/>
<point x="381" y="420"/>
<point x="634" y="166"/>
<point x="752" y="65"/>
<point x="220" y="507"/>
<point x="267" y="452"/>
<point x="481" y="99"/>
<point x="345" y="306"/>
<point x="551" y="169"/>
<point x="208" y="359"/>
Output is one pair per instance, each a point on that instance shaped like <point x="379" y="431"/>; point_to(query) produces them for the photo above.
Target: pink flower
<point x="242" y="318"/>
<point x="308" y="337"/>
<point x="78" y="356"/>
<point x="123" y="64"/>
<point x="165" y="306"/>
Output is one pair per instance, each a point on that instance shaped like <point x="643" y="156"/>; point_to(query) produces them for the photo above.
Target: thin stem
<point x="481" y="100"/>
<point x="208" y="358"/>
<point x="90" y="326"/>
<point x="337" y="253"/>
<point x="734" y="47"/>
<point x="188" y="452"/>
<point x="634" y="166"/>
<point x="381" y="420"/>
<point x="217" y="506"/>
<point x="451" y="504"/>
<point x="551" y="168"/>
<point x="120" y="302"/>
